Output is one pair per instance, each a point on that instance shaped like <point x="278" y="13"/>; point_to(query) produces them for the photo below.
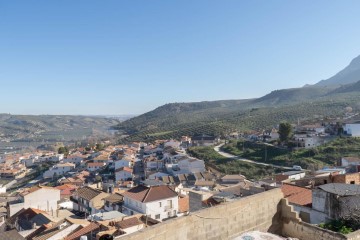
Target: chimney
<point x="34" y="226"/>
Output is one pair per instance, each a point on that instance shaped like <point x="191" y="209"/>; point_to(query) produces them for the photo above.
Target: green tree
<point x="99" y="147"/>
<point x="63" y="150"/>
<point x="285" y="131"/>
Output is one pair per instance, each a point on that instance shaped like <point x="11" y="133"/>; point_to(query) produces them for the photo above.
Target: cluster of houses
<point x="324" y="195"/>
<point x="304" y="135"/>
<point x="125" y="188"/>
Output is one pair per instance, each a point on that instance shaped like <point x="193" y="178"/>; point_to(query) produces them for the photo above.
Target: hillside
<point x="326" y="99"/>
<point x="244" y="117"/>
<point x="30" y="128"/>
<point x="293" y="95"/>
<point x="350" y="74"/>
<point x="348" y="88"/>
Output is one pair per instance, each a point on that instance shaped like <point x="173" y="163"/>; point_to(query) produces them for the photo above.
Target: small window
<point x="325" y="181"/>
<point x="352" y="182"/>
<point x="157" y="216"/>
<point x="159" y="204"/>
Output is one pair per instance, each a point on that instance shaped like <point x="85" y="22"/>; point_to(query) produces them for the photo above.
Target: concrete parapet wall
<point x="225" y="221"/>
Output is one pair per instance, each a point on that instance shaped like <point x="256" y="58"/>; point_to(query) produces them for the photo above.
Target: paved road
<point x="228" y="155"/>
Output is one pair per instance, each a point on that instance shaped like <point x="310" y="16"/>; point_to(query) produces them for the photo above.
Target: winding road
<point x="228" y="155"/>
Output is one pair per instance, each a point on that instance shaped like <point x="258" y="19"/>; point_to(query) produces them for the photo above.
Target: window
<point x="169" y="203"/>
<point x="159" y="204"/>
<point x="325" y="181"/>
<point x="352" y="182"/>
<point x="157" y="216"/>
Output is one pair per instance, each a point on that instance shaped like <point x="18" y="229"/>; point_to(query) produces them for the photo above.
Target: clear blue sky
<point x="119" y="57"/>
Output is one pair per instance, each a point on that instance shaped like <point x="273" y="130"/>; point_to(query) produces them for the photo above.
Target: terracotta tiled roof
<point x="205" y="183"/>
<point x="29" y="213"/>
<point x="49" y="232"/>
<point x="114" y="198"/>
<point x="127" y="223"/>
<point x="83" y="231"/>
<point x="34" y="189"/>
<point x="297" y="195"/>
<point x="96" y="164"/>
<point x="87" y="193"/>
<point x="124" y="169"/>
<point x="150" y="194"/>
<point x="66" y="189"/>
<point x="233" y="177"/>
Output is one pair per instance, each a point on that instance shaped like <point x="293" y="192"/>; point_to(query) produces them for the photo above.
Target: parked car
<point x="296" y="167"/>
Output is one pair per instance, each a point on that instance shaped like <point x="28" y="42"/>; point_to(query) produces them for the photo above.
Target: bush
<point x="337" y="226"/>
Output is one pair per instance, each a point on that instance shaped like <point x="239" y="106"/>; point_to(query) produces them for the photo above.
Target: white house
<point x="191" y="165"/>
<point x="352" y="129"/>
<point x="77" y="160"/>
<point x="130" y="225"/>
<point x="2" y="188"/>
<point x="58" y="170"/>
<point x="89" y="200"/>
<point x="29" y="162"/>
<point x="154" y="164"/>
<point x="350" y="161"/>
<point x="291" y="175"/>
<point x="39" y="197"/>
<point x="54" y="158"/>
<point x="94" y="166"/>
<point x="124" y="174"/>
<point x="123" y="163"/>
<point x="157" y="202"/>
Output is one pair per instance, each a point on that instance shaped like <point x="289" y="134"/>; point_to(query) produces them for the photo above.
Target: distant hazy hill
<point x="31" y="126"/>
<point x="350" y="74"/>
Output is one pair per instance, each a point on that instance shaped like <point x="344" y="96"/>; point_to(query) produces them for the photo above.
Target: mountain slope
<point x="348" y="88"/>
<point x="293" y="95"/>
<point x="350" y="74"/>
<point x="328" y="98"/>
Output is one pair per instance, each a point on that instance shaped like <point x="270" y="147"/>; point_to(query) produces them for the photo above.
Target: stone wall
<point x="305" y="231"/>
<point x="352" y="178"/>
<point x="266" y="212"/>
<point x="293" y="226"/>
<point x="225" y="221"/>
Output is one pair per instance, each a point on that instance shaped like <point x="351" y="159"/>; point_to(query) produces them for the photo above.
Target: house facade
<point x="58" y="170"/>
<point x="191" y="165"/>
<point x="352" y="129"/>
<point x="94" y="166"/>
<point x="157" y="202"/>
<point x="39" y="197"/>
<point x="123" y="163"/>
<point x="77" y="160"/>
<point x="124" y="174"/>
<point x="88" y="200"/>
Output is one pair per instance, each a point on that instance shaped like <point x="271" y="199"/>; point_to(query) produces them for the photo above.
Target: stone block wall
<point x="225" y="221"/>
